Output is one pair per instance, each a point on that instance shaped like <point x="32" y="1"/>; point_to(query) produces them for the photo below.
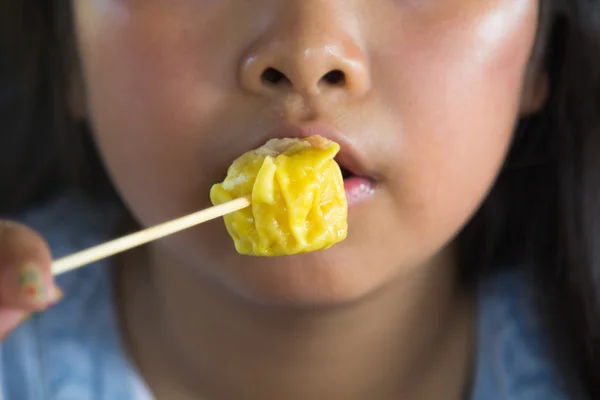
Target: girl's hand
<point x="26" y="282"/>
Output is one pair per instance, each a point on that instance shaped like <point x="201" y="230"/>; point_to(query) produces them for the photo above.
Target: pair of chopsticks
<point x="130" y="241"/>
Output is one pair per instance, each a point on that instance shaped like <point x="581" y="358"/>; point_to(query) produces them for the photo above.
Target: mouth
<point x="350" y="166"/>
<point x="359" y="181"/>
<point x="352" y="161"/>
<point x="346" y="174"/>
<point x="358" y="188"/>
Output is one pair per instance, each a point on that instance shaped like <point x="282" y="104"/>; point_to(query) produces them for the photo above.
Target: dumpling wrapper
<point x="298" y="201"/>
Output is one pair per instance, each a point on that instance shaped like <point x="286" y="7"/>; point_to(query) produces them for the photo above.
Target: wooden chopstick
<point x="130" y="241"/>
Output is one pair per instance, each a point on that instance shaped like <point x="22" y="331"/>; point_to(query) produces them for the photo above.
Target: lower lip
<point x="358" y="190"/>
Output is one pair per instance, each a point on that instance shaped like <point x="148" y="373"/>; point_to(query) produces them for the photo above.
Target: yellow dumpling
<point x="296" y="190"/>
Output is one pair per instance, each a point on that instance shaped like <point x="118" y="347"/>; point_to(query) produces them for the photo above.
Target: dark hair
<point x="543" y="213"/>
<point x="42" y="148"/>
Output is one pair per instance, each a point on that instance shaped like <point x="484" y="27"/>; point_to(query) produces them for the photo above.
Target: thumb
<point x="26" y="280"/>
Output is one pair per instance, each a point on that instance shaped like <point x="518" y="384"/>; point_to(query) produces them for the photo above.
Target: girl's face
<point x="430" y="91"/>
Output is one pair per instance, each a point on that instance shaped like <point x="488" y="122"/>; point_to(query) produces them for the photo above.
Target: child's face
<point x="431" y="94"/>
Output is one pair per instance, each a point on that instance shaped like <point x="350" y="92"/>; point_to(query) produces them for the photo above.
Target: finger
<point x="26" y="280"/>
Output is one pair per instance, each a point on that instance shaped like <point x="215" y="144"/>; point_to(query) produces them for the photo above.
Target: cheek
<point x="148" y="106"/>
<point x="458" y="97"/>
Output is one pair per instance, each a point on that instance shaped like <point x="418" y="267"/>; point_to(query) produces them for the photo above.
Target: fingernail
<point x="56" y="295"/>
<point x="32" y="290"/>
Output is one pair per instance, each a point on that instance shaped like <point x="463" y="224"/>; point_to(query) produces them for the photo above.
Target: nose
<point x="307" y="59"/>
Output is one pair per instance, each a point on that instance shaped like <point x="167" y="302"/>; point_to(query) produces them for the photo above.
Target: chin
<point x="334" y="277"/>
<point x="341" y="275"/>
<point x="325" y="278"/>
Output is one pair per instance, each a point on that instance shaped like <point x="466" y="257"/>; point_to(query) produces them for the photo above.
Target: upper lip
<point x="349" y="157"/>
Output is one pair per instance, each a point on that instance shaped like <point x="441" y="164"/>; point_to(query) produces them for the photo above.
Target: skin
<point x="433" y="88"/>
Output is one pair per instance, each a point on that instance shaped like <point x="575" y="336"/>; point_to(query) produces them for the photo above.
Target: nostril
<point x="273" y="76"/>
<point x="335" y="77"/>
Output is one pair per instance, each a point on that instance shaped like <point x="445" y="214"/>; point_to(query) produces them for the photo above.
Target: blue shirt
<point x="74" y="351"/>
